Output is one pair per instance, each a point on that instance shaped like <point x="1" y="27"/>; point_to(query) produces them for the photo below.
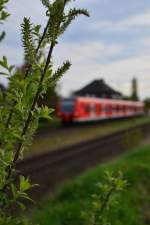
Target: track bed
<point x="52" y="168"/>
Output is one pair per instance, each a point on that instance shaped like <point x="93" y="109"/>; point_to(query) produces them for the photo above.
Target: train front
<point x="66" y="110"/>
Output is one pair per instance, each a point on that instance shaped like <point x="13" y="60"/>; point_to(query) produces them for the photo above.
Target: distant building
<point x="98" y="88"/>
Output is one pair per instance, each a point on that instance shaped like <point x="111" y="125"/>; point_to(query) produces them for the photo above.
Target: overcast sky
<point x="113" y="44"/>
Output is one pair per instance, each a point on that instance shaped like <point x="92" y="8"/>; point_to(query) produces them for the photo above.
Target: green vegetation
<point x="54" y="122"/>
<point x="3" y="16"/>
<point x="20" y="106"/>
<point x="147" y="105"/>
<point x="21" y="110"/>
<point x="133" y="207"/>
<point x="54" y="140"/>
<point x="134" y="94"/>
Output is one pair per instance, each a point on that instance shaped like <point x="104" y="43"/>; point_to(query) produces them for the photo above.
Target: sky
<point x="113" y="44"/>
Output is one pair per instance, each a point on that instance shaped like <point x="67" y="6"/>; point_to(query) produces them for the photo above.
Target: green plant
<point x="3" y="16"/>
<point x="103" y="201"/>
<point x="20" y="111"/>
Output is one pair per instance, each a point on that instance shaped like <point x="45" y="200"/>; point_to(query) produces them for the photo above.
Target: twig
<point x="27" y="123"/>
<point x="26" y="74"/>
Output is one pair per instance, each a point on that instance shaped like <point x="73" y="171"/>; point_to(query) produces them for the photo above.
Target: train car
<point x="82" y="109"/>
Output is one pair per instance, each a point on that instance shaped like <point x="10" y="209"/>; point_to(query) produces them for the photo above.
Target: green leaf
<point x="24" y="184"/>
<point x="4" y="62"/>
<point x="4" y="74"/>
<point x="46" y="3"/>
<point x="2" y="36"/>
<point x="11" y="68"/>
<point x="36" y="30"/>
<point x="28" y="43"/>
<point x="21" y="205"/>
<point x="73" y="13"/>
<point x="45" y="112"/>
<point x="14" y="191"/>
<point x="60" y="71"/>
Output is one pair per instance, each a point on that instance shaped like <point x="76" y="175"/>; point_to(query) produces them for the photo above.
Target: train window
<point x="121" y="108"/>
<point x="124" y="108"/>
<point x="108" y="108"/>
<point x="87" y="108"/>
<point x="117" y="108"/>
<point x="113" y="108"/>
<point x="92" y="108"/>
<point x="67" y="106"/>
<point x="103" y="108"/>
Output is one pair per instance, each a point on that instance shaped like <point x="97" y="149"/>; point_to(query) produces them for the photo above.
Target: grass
<point x="66" y="205"/>
<point x="71" y="135"/>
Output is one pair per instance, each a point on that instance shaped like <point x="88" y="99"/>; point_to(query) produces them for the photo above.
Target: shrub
<point x="20" y="111"/>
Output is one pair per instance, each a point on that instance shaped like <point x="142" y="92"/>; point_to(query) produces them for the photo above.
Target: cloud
<point x="102" y="46"/>
<point x="13" y="53"/>
<point x="144" y="43"/>
<point x="85" y="58"/>
<point x="117" y="73"/>
<point x="88" y="50"/>
<point x="141" y="20"/>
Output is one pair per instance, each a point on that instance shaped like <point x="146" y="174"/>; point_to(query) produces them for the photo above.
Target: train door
<point x="93" y="111"/>
<point x="103" y="110"/>
<point x="98" y="110"/>
<point x="109" y="110"/>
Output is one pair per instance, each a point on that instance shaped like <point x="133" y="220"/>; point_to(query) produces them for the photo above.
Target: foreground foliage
<point x="3" y="16"/>
<point x="19" y="107"/>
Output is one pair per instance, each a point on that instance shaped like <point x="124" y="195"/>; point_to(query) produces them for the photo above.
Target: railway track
<point x="74" y="127"/>
<point x="49" y="170"/>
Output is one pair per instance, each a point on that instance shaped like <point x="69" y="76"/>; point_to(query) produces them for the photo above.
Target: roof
<point x="98" y="88"/>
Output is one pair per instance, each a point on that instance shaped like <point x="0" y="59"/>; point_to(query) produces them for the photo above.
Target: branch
<point x="37" y="94"/>
<point x="29" y="67"/>
<point x="27" y="123"/>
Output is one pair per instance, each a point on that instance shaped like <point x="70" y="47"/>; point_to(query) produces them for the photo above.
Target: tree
<point x="20" y="114"/>
<point x="147" y="105"/>
<point x="134" y="94"/>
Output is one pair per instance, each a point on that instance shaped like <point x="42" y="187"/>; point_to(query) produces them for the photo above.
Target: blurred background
<point x="112" y="44"/>
<point x="110" y="55"/>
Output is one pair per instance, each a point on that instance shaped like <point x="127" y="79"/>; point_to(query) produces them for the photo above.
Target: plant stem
<point x="104" y="204"/>
<point x="9" y="169"/>
<point x="33" y="104"/>
<point x="27" y="123"/>
<point x="26" y="74"/>
<point x="106" y="200"/>
<point x="37" y="94"/>
<point x="17" y="153"/>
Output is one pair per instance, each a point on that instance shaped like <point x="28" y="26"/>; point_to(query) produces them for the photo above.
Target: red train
<point x="84" y="109"/>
